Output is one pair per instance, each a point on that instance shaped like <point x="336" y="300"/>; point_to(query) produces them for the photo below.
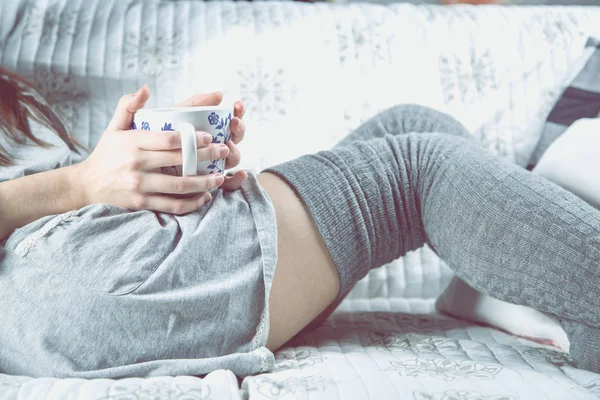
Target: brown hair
<point x="20" y="102"/>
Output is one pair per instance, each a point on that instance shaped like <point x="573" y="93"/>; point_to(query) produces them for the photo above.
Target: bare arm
<point x="26" y="199"/>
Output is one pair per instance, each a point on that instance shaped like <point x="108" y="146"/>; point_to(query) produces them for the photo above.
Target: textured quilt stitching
<point x="319" y="349"/>
<point x="517" y="371"/>
<point x="380" y="327"/>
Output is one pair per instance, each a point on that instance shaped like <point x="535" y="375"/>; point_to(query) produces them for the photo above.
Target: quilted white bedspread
<point x="308" y="74"/>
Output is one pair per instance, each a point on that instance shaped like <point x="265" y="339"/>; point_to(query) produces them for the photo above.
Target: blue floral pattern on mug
<point x="133" y="126"/>
<point x="220" y="137"/>
<point x="167" y="127"/>
<point x="213" y="118"/>
<point x="145" y="126"/>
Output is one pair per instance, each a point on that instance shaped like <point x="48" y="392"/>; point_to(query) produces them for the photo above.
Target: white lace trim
<point x="257" y="343"/>
<point x="26" y="244"/>
<point x="258" y="338"/>
<point x="264" y="362"/>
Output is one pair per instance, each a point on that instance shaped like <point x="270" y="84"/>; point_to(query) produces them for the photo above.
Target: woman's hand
<point x="238" y="130"/>
<point x="124" y="168"/>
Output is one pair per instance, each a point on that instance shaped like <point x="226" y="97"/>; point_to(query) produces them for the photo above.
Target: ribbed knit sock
<point x="506" y="232"/>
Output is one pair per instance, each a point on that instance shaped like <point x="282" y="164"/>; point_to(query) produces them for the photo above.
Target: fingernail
<point x="219" y="179"/>
<point x="224" y="150"/>
<point x="206" y="138"/>
<point x="139" y="91"/>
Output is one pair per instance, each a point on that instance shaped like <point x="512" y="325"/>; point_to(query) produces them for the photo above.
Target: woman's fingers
<point x="128" y="105"/>
<point x="166" y="140"/>
<point x="235" y="181"/>
<point x="163" y="183"/>
<point x="212" y="99"/>
<point x="200" y="99"/>
<point x="159" y="140"/>
<point x="238" y="130"/>
<point x="168" y="158"/>
<point x="168" y="204"/>
<point x="238" y="109"/>
<point x="168" y="184"/>
<point x="234" y="157"/>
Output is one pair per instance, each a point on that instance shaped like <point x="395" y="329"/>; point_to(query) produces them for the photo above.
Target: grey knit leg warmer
<point x="397" y="120"/>
<point x="503" y="230"/>
<point x="403" y="119"/>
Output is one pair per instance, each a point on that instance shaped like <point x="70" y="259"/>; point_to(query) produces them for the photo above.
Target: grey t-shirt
<point x="105" y="292"/>
<point x="30" y="158"/>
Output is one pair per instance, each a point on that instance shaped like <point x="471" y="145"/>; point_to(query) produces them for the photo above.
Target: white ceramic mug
<point x="215" y="120"/>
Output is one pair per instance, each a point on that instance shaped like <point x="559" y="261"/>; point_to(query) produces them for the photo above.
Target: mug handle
<point x="189" y="167"/>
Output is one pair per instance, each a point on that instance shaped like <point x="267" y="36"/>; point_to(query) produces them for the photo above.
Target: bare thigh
<point x="305" y="281"/>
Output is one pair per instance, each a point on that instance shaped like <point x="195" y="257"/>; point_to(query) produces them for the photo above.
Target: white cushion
<point x="572" y="160"/>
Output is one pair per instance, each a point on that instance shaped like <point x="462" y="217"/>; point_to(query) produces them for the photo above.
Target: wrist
<point x="75" y="178"/>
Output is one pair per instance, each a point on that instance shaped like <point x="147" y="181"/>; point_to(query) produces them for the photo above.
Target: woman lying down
<point x="106" y="272"/>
